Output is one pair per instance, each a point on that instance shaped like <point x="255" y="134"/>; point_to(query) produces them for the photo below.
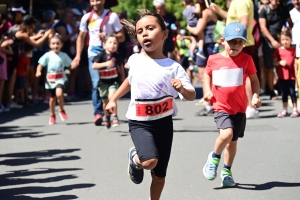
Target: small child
<point x="224" y="84"/>
<point x="192" y="13"/>
<point x="109" y="64"/>
<point x="7" y="50"/>
<point x="55" y="61"/>
<point x="22" y="69"/>
<point x="154" y="81"/>
<point x="284" y="59"/>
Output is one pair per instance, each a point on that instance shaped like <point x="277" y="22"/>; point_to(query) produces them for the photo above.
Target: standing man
<point x="90" y="23"/>
<point x="169" y="18"/>
<point x="242" y="11"/>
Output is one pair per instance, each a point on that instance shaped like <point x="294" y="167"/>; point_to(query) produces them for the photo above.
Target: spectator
<point x="90" y="23"/>
<point x="295" y="17"/>
<point x="81" y="5"/>
<point x="206" y="24"/>
<point x="5" y="24"/>
<point x="169" y="19"/>
<point x="272" y="18"/>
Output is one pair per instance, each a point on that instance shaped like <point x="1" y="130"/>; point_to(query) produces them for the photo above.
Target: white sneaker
<point x="201" y="102"/>
<point x="252" y="113"/>
<point x="4" y="109"/>
<point x="15" y="105"/>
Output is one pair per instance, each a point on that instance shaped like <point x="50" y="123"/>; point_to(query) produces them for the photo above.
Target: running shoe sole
<point x="115" y="125"/>
<point x="98" y="122"/>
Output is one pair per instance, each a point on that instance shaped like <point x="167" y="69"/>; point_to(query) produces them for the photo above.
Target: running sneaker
<point x="282" y="114"/>
<point x="115" y="121"/>
<point x="135" y="172"/>
<point x="204" y="112"/>
<point x="4" y="109"/>
<point x="211" y="166"/>
<point x="98" y="118"/>
<point x="201" y="102"/>
<point x="252" y="113"/>
<point x="15" y="105"/>
<point x="227" y="180"/>
<point x="295" y="113"/>
<point x="52" y="119"/>
<point x="200" y="54"/>
<point x="63" y="115"/>
<point x="107" y="124"/>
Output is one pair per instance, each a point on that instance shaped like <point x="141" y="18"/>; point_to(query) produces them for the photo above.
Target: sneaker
<point x="201" y="102"/>
<point x="135" y="172"/>
<point x="295" y="113"/>
<point x="200" y="53"/>
<point x="204" y="112"/>
<point x="191" y="61"/>
<point x="227" y="180"/>
<point x="4" y="109"/>
<point x="98" y="119"/>
<point x="252" y="113"/>
<point x="115" y="121"/>
<point x="15" y="105"/>
<point x="52" y="120"/>
<point x="211" y="166"/>
<point x="108" y="124"/>
<point x="63" y="115"/>
<point x="282" y="114"/>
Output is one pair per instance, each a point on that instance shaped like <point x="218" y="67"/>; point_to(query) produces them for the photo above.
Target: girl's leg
<point x="52" y="103"/>
<point x="157" y="187"/>
<point x="60" y="98"/>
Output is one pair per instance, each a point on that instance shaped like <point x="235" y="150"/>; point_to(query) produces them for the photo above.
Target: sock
<point x="208" y="108"/>
<point x="214" y="155"/>
<point x="294" y="109"/>
<point x="285" y="108"/>
<point x="227" y="167"/>
<point x="134" y="162"/>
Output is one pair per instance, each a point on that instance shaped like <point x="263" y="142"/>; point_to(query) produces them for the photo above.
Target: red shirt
<point x="228" y="81"/>
<point x="23" y="62"/>
<point x="287" y="72"/>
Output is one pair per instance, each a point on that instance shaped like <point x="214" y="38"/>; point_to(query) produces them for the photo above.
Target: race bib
<point x="54" y="76"/>
<point x="227" y="77"/>
<point x="109" y="73"/>
<point x="153" y="109"/>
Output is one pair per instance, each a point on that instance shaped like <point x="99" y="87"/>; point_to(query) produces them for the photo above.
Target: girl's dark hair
<point x="109" y="36"/>
<point x="202" y="5"/>
<point x="56" y="36"/>
<point x="286" y="33"/>
<point x="131" y="27"/>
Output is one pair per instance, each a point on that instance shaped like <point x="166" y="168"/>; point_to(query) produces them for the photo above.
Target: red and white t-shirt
<point x="228" y="81"/>
<point x="287" y="72"/>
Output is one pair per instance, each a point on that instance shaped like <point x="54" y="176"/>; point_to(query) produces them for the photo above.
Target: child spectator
<point x="284" y="59"/>
<point x="3" y="71"/>
<point x="225" y="81"/>
<point x="110" y="67"/>
<point x="192" y="13"/>
<point x="22" y="69"/>
<point x="55" y="61"/>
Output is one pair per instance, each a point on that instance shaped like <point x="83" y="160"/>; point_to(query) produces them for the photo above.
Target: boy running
<point x="225" y="77"/>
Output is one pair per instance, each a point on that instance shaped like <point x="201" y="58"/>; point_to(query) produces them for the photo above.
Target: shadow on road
<point x="28" y="158"/>
<point x="15" y="132"/>
<point x="264" y="186"/>
<point x="61" y="197"/>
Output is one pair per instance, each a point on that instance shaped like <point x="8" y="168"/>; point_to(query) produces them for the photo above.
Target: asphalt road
<point x="77" y="160"/>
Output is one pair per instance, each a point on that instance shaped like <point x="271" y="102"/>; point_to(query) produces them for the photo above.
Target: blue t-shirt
<point x="190" y="16"/>
<point x="55" y="64"/>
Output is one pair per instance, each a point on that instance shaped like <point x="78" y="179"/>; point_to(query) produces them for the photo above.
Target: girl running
<point x="154" y="81"/>
<point x="284" y="59"/>
<point x="55" y="61"/>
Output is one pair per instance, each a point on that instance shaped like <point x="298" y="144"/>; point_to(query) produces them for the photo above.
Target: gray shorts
<point x="237" y="122"/>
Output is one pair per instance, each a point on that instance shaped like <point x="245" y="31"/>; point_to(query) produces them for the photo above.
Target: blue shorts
<point x="21" y="82"/>
<point x="208" y="50"/>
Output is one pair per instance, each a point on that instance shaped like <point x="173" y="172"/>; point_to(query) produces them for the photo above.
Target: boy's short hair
<point x="235" y="30"/>
<point x="109" y="36"/>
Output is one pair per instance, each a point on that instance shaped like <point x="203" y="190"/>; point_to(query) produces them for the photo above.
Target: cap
<point x="289" y="2"/>
<point x="20" y="9"/>
<point x="182" y="32"/>
<point x="235" y="30"/>
<point x="76" y="11"/>
<point x="28" y="19"/>
<point x="158" y="2"/>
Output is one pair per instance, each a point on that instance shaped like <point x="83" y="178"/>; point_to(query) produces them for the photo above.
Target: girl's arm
<point x="8" y="50"/>
<point x="35" y="43"/>
<point x="39" y="70"/>
<point x="123" y="89"/>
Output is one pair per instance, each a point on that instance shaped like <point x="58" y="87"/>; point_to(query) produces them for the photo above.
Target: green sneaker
<point x="227" y="180"/>
<point x="211" y="166"/>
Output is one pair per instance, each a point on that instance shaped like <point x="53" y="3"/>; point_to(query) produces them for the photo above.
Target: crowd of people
<point x="218" y="48"/>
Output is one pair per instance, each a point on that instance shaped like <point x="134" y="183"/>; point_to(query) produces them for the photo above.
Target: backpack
<point x="104" y="21"/>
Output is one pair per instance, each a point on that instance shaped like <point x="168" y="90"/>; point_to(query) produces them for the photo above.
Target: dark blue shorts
<point x="208" y="50"/>
<point x="21" y="82"/>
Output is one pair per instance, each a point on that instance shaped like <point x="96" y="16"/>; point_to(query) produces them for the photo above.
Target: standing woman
<point x="206" y="24"/>
<point x="22" y="34"/>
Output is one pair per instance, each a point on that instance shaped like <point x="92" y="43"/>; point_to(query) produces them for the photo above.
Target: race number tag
<point x="54" y="76"/>
<point x="152" y="109"/>
<point x="109" y="73"/>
